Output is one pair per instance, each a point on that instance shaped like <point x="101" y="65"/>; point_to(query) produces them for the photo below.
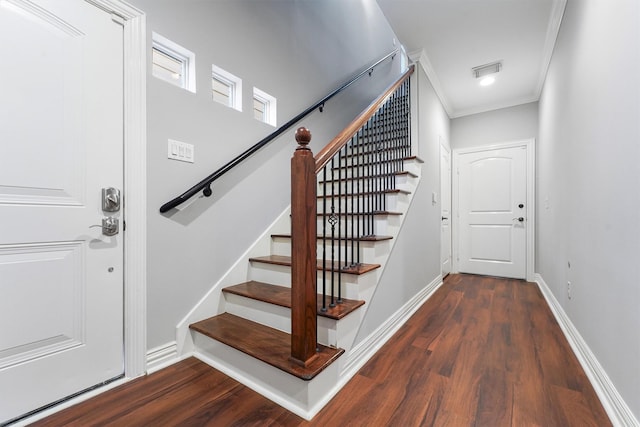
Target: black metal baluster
<point x="408" y="83"/>
<point x="406" y="87"/>
<point x="386" y="152"/>
<point x="354" y="161"/>
<point x="355" y="175"/>
<point x="377" y="171"/>
<point x="332" y="221"/>
<point x="324" y="239"/>
<point x="366" y="216"/>
<point x="342" y="154"/>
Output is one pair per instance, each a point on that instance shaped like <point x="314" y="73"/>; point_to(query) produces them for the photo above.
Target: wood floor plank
<point x="480" y="352"/>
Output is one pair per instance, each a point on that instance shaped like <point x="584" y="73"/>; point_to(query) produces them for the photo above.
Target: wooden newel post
<point x="303" y="251"/>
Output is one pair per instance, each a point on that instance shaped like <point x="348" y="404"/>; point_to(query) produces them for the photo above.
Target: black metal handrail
<point x="205" y="184"/>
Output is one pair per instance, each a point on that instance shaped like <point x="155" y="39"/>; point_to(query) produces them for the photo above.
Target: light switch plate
<point x="181" y="151"/>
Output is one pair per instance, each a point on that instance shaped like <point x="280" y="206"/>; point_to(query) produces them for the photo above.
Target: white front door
<point x="61" y="134"/>
<point x="445" y="210"/>
<point x="492" y="198"/>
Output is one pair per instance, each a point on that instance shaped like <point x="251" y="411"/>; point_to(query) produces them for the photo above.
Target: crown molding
<point x="557" y="12"/>
<point x="420" y="56"/>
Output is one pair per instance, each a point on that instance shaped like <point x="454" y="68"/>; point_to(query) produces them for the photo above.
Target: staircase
<point x="251" y="337"/>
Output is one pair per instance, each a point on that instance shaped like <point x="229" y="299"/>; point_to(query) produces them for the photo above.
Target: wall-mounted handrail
<point x="205" y="184"/>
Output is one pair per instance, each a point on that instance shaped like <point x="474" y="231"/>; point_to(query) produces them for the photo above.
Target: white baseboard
<point x="616" y="408"/>
<point x="162" y="356"/>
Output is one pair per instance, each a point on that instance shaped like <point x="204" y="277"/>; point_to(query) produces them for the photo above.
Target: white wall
<point x="503" y="125"/>
<point x="296" y="51"/>
<point x="415" y="260"/>
<point x="589" y="183"/>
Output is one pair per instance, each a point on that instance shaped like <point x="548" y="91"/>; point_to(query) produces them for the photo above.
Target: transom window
<point x="264" y="107"/>
<point x="173" y="63"/>
<point x="226" y="88"/>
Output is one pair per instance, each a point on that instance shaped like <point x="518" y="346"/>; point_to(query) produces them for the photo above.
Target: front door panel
<point x="61" y="130"/>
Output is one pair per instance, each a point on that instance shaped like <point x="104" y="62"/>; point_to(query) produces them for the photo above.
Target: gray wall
<point x="297" y="51"/>
<point x="415" y="260"/>
<point x="588" y="185"/>
<point x="503" y="125"/>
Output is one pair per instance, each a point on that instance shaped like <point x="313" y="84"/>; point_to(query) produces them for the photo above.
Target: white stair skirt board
<point x="616" y="407"/>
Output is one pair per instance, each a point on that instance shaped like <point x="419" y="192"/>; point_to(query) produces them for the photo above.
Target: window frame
<point x="233" y="82"/>
<point x="181" y="55"/>
<point x="271" y="105"/>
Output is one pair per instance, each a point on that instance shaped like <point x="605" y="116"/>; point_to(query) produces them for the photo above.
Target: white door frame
<point x="530" y="208"/>
<point x="444" y="148"/>
<point x="135" y="182"/>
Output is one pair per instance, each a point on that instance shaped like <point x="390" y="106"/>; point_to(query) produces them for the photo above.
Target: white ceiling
<point x="450" y="37"/>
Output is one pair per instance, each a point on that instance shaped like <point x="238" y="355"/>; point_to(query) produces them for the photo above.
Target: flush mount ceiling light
<point x="486" y="73"/>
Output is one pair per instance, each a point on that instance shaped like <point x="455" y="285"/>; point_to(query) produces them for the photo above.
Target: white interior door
<point x="492" y="198"/>
<point x="445" y="208"/>
<point x="61" y="133"/>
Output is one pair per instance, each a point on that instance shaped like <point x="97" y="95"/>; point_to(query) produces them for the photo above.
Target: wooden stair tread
<point x="399" y="173"/>
<point x="286" y="261"/>
<point x="362" y="239"/>
<point x="281" y="295"/>
<point x="377" y="213"/>
<point x="367" y="148"/>
<point x="375" y="162"/>
<point x="264" y="343"/>
<point x="416" y="158"/>
<point x="367" y="193"/>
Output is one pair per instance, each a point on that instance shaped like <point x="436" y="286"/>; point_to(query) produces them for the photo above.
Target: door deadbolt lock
<point x="110" y="199"/>
<point x="110" y="226"/>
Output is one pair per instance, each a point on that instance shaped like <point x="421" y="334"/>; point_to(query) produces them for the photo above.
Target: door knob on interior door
<point x="521" y="219"/>
<point x="444" y="217"/>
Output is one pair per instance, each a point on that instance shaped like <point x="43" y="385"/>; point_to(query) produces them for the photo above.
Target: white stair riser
<point x="282" y="246"/>
<point x="339" y="333"/>
<point x="330" y="331"/>
<point x="391" y="202"/>
<point x="362" y="170"/>
<point x="281" y="275"/>
<point x="410" y="165"/>
<point x="383" y="225"/>
<point x="370" y="252"/>
<point x="363" y="185"/>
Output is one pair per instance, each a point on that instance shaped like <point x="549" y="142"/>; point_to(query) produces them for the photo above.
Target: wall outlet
<point x="568" y="289"/>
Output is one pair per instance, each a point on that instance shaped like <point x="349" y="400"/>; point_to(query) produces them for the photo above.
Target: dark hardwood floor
<point x="480" y="352"/>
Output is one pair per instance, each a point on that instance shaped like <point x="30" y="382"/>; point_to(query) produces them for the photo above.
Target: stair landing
<point x="266" y="344"/>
